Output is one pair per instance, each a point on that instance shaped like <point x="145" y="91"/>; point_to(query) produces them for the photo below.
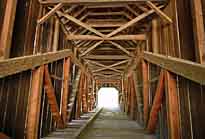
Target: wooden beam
<point x="173" y="107"/>
<point x="198" y="26"/>
<point x="152" y="123"/>
<point x="79" y="96"/>
<point x="95" y="1"/>
<point x="139" y="37"/>
<point x="19" y="64"/>
<point x="155" y="36"/>
<point x="50" y="13"/>
<point x="78" y="22"/>
<point x="50" y="92"/>
<point x="91" y="48"/>
<point x="193" y="70"/>
<point x="121" y="48"/>
<point x="132" y="22"/>
<point x="35" y="103"/>
<point x="159" y="12"/>
<point x="7" y="28"/>
<point x="145" y="76"/>
<point x="65" y="86"/>
<point x="56" y="35"/>
<point x="106" y="57"/>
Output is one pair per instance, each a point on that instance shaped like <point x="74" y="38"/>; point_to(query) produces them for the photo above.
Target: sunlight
<point x="108" y="97"/>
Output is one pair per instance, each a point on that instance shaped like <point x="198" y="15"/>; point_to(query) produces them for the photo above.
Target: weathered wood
<point x="106" y="57"/>
<point x="65" y="93"/>
<point x="50" y="13"/>
<point x="35" y="103"/>
<point x="190" y="70"/>
<point x="199" y="36"/>
<point x="79" y="96"/>
<point x="152" y="123"/>
<point x="56" y="35"/>
<point x="155" y="36"/>
<point x="121" y="48"/>
<point x="91" y="48"/>
<point x="19" y="64"/>
<point x="159" y="12"/>
<point x="132" y="22"/>
<point x="145" y="76"/>
<point x="7" y="29"/>
<point x="94" y="1"/>
<point x="173" y="106"/>
<point x="78" y="22"/>
<point x="50" y="92"/>
<point x="118" y="37"/>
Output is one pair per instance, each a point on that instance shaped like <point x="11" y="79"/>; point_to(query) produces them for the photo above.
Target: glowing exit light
<point x="108" y="98"/>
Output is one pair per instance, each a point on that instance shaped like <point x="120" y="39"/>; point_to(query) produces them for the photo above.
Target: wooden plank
<point x="56" y="35"/>
<point x="95" y="1"/>
<point x="19" y="64"/>
<point x="152" y="123"/>
<point x="66" y="93"/>
<point x="78" y="22"/>
<point x="198" y="25"/>
<point x="50" y="92"/>
<point x="79" y="96"/>
<point x="187" y="69"/>
<point x="50" y="13"/>
<point x="173" y="106"/>
<point x="145" y="76"/>
<point x="106" y="57"/>
<point x="155" y="41"/>
<point x="121" y="48"/>
<point x="119" y="37"/>
<point x="159" y="12"/>
<point x="35" y="103"/>
<point x="7" y="28"/>
<point x="132" y="22"/>
<point x="91" y="48"/>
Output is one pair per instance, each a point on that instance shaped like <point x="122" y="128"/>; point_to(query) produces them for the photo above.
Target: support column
<point x="173" y="106"/>
<point x="79" y="96"/>
<point x="65" y="93"/>
<point x="145" y="90"/>
<point x="35" y="103"/>
<point x="7" y="29"/>
<point x="199" y="36"/>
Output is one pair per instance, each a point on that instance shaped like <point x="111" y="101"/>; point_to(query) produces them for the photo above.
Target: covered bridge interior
<point x="55" y="55"/>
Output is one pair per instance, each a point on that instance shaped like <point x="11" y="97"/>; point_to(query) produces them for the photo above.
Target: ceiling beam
<point x="95" y="1"/>
<point x="106" y="57"/>
<point x="80" y="23"/>
<point x="132" y="22"/>
<point x="138" y="37"/>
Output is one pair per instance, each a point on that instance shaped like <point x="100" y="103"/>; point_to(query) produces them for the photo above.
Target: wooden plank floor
<point x="112" y="124"/>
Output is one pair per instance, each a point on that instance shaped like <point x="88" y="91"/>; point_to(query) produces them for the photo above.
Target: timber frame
<point x="69" y="49"/>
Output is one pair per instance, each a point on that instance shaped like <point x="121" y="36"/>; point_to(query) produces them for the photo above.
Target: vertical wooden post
<point x="65" y="93"/>
<point x="199" y="36"/>
<point x="155" y="42"/>
<point x="79" y="96"/>
<point x="156" y="104"/>
<point x="35" y="103"/>
<point x="145" y="90"/>
<point x="56" y="35"/>
<point x="84" y="95"/>
<point x="133" y="99"/>
<point x="7" y="29"/>
<point x="173" y="106"/>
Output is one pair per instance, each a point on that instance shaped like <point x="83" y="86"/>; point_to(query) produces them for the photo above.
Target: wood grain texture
<point x="19" y="64"/>
<point x="190" y="70"/>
